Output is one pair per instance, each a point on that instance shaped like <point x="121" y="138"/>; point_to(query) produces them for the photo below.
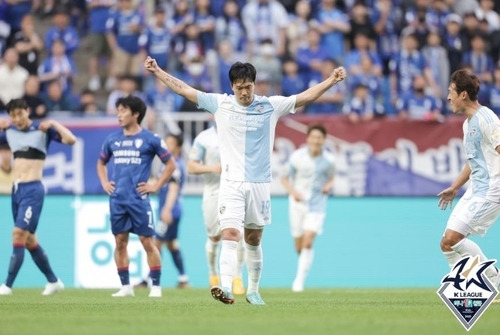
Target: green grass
<point x="193" y="311"/>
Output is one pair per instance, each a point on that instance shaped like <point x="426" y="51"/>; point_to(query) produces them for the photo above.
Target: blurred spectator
<point x="229" y="27"/>
<point x="362" y="106"/>
<point x="416" y="18"/>
<point x="13" y="77"/>
<point x="479" y="60"/>
<point x="417" y="105"/>
<point x="99" y="48"/>
<point x="59" y="66"/>
<point x="493" y="92"/>
<point x="333" y="25"/>
<point x="331" y="101"/>
<point x="437" y="15"/>
<point x="124" y="27"/>
<point x="292" y="82"/>
<point x="43" y="8"/>
<point x="182" y="17"/>
<point x="226" y="60"/>
<point x="196" y="74"/>
<point x="265" y="20"/>
<point x="126" y="85"/>
<point x="16" y="10"/>
<point x="298" y="25"/>
<point x="28" y="45"/>
<point x="62" y="31"/>
<point x="206" y="24"/>
<point x="191" y="46"/>
<point x="32" y="96"/>
<point x="311" y="57"/>
<point x="361" y="47"/>
<point x="470" y="28"/>
<point x="452" y="41"/>
<point x="262" y="84"/>
<point x="162" y="105"/>
<point x="462" y="7"/>
<point x="437" y="58"/>
<point x="266" y="61"/>
<point x="155" y="42"/>
<point x="88" y="104"/>
<point x="4" y="26"/>
<point x="56" y="100"/>
<point x="6" y="175"/>
<point x="486" y="11"/>
<point x="367" y="75"/>
<point x="360" y="24"/>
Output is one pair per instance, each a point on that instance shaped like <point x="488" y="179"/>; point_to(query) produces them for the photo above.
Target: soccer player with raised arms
<point x="245" y="126"/>
<point x="29" y="141"/>
<point x="132" y="151"/>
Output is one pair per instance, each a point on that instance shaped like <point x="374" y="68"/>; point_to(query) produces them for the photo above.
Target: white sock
<point x="468" y="247"/>
<point x="227" y="263"/>
<point x="452" y="257"/>
<point x="240" y="259"/>
<point x="212" y="252"/>
<point x="253" y="257"/>
<point x="304" y="264"/>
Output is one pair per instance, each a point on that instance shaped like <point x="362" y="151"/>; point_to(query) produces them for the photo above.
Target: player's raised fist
<point x="150" y="64"/>
<point x="339" y="74"/>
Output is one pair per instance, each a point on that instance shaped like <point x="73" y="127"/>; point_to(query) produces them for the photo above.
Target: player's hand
<point x="446" y="198"/>
<point x="146" y="188"/>
<point x="150" y="64"/>
<point x="109" y="187"/>
<point x="45" y="125"/>
<point x="339" y="74"/>
<point x="217" y="169"/>
<point x="166" y="216"/>
<point x="326" y="189"/>
<point x="297" y="196"/>
<point x="4" y="123"/>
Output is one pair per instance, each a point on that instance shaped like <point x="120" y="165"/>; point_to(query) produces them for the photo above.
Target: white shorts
<point x="210" y="215"/>
<point x="473" y="216"/>
<point x="244" y="205"/>
<point x="301" y="219"/>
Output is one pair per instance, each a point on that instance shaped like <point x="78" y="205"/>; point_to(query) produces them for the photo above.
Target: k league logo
<point x="467" y="291"/>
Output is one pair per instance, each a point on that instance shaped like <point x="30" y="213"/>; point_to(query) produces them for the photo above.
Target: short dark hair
<point x="466" y="80"/>
<point x="179" y="139"/>
<point x="16" y="104"/>
<point x="136" y="105"/>
<point x="318" y="127"/>
<point x="242" y="71"/>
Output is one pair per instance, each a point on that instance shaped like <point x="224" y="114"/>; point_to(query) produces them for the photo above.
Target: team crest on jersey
<point x="472" y="132"/>
<point x="467" y="291"/>
<point x="222" y="209"/>
<point x="259" y="108"/>
<point x="138" y="142"/>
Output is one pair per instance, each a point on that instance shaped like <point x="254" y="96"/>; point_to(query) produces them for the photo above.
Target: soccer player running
<point x="133" y="150"/>
<point x="308" y="181"/>
<point x="29" y="141"/>
<point x="479" y="207"/>
<point x="204" y="159"/>
<point x="245" y="126"/>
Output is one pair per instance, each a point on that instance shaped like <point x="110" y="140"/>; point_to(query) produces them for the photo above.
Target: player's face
<point x="20" y="118"/>
<point x="315" y="141"/>
<point x="455" y="100"/>
<point x="243" y="91"/>
<point x="125" y="116"/>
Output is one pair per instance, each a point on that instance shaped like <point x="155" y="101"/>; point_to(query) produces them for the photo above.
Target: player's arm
<point x="166" y="211"/>
<point x="328" y="186"/>
<point x="196" y="167"/>
<point x="446" y="196"/>
<point x="67" y="137"/>
<point x="314" y="92"/>
<point x="165" y="175"/>
<point x="285" y="180"/>
<point x="175" y="84"/>
<point x="102" y="174"/>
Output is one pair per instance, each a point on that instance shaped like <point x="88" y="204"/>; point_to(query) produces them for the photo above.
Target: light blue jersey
<point x="309" y="174"/>
<point x="205" y="150"/>
<point x="246" y="134"/>
<point x="481" y="137"/>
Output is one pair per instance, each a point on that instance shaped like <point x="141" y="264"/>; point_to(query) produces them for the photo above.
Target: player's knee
<point x="446" y="244"/>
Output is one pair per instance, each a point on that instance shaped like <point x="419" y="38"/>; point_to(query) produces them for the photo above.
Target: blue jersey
<point x="132" y="157"/>
<point x="178" y="177"/>
<point x="23" y="142"/>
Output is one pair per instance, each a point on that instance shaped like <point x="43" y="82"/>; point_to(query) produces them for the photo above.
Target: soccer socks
<point x="468" y="247"/>
<point x="254" y="260"/>
<point x="124" y="275"/>
<point x="240" y="258"/>
<point x="177" y="258"/>
<point x="155" y="274"/>
<point x="452" y="257"/>
<point x="303" y="265"/>
<point x="16" y="260"/>
<point x="227" y="263"/>
<point x="212" y="250"/>
<point x="42" y="261"/>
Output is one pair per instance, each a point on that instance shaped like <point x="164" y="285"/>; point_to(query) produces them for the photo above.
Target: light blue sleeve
<point x="208" y="101"/>
<point x="197" y="151"/>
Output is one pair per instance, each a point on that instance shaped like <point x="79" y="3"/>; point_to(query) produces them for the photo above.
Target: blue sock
<point x="41" y="260"/>
<point x="16" y="260"/>
<point x="124" y="275"/>
<point x="177" y="258"/>
<point x="154" y="274"/>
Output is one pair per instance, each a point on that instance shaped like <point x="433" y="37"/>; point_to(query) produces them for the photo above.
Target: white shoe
<point x="5" y="290"/>
<point x="155" y="292"/>
<point x="125" y="291"/>
<point x="94" y="84"/>
<point x="52" y="288"/>
<point x="297" y="286"/>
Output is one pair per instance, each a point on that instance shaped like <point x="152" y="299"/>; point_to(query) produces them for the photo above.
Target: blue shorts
<point x="171" y="233"/>
<point x="27" y="203"/>
<point x="135" y="217"/>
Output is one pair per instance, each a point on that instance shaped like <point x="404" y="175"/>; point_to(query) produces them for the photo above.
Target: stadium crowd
<point x="398" y="54"/>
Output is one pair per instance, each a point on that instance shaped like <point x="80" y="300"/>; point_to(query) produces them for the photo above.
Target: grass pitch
<point x="194" y="311"/>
